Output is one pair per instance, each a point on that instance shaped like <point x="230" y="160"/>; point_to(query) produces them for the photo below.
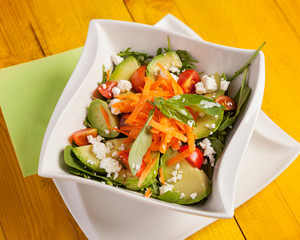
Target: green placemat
<point x="28" y="95"/>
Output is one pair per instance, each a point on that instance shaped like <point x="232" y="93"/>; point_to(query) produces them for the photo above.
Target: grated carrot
<point x="146" y="172"/>
<point x="168" y="130"/>
<point x="118" y="130"/>
<point x="161" y="174"/>
<point x="179" y="157"/>
<point x="107" y="75"/>
<point x="105" y="115"/>
<point x="191" y="138"/>
<point x="148" y="193"/>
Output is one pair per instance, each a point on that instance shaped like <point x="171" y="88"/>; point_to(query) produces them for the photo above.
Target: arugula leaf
<point x="238" y="72"/>
<point x="240" y="98"/>
<point x="140" y="146"/>
<point x="141" y="57"/>
<point x="187" y="61"/>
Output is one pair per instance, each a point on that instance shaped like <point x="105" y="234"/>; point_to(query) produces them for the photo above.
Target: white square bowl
<point x="106" y="37"/>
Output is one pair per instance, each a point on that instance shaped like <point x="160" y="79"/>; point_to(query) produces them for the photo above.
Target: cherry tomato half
<point x="196" y="158"/>
<point x="227" y="102"/>
<point x="124" y="160"/>
<point x="187" y="80"/>
<point x="106" y="88"/>
<point x="80" y="137"/>
<point x="138" y="78"/>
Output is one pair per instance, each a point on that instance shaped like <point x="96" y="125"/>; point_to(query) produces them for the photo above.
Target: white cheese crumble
<point x="99" y="147"/>
<point x="116" y="59"/>
<point x="193" y="195"/>
<point x="174" y="69"/>
<point x="116" y="91"/>
<point x="174" y="173"/>
<point x="209" y="83"/>
<point x="124" y="85"/>
<point x="224" y="84"/>
<point x="110" y="165"/>
<point x="200" y="89"/>
<point x="113" y="110"/>
<point x="115" y="154"/>
<point x="179" y="176"/>
<point x="174" y="76"/>
<point x="182" y="195"/>
<point x="106" y="131"/>
<point x="122" y="147"/>
<point x="91" y="162"/>
<point x="177" y="166"/>
<point x="190" y="123"/>
<point x="208" y="150"/>
<point x="166" y="188"/>
<point x="103" y="86"/>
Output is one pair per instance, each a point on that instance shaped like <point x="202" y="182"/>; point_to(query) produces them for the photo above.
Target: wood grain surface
<point x="31" y="207"/>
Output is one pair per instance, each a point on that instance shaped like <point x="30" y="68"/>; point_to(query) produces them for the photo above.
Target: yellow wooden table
<point x="31" y="208"/>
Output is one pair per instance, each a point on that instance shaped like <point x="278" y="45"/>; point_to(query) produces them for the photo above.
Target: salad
<point x="157" y="126"/>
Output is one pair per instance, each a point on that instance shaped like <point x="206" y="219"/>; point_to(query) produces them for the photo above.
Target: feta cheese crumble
<point x="208" y="150"/>
<point x="110" y="165"/>
<point x="166" y="188"/>
<point x="182" y="195"/>
<point x="224" y="84"/>
<point x="113" y="110"/>
<point x="116" y="59"/>
<point x="177" y="166"/>
<point x="116" y="91"/>
<point x="210" y="84"/>
<point x="124" y="85"/>
<point x="99" y="147"/>
<point x="193" y="195"/>
<point x="208" y="104"/>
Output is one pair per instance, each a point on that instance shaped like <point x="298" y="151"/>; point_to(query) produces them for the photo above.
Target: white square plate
<point x="102" y="41"/>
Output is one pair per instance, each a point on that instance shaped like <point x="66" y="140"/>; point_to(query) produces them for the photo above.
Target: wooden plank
<point x="221" y="229"/>
<point x="31" y="208"/>
<point x="18" y="42"/>
<point x="63" y="25"/>
<point x="246" y="24"/>
<point x="268" y="216"/>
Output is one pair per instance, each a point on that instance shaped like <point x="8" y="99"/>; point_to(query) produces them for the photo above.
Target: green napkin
<point x="28" y="95"/>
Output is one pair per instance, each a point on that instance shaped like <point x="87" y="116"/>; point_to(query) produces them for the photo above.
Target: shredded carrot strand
<point x="108" y="75"/>
<point x="105" y="115"/>
<point x="179" y="157"/>
<point x="191" y="138"/>
<point x="148" y="193"/>
<point x="146" y="172"/>
<point x="161" y="174"/>
<point x="118" y="130"/>
<point x="170" y="131"/>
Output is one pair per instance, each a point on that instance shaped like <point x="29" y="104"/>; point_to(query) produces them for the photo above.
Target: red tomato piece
<point x="138" y="79"/>
<point x="227" y="102"/>
<point x="105" y="89"/>
<point x="80" y="137"/>
<point x="196" y="158"/>
<point x="124" y="159"/>
<point x="187" y="80"/>
<point x="141" y="170"/>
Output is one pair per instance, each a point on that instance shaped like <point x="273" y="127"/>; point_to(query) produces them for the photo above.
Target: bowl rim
<point x="257" y="99"/>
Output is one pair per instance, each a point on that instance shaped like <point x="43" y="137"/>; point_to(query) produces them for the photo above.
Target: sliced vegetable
<point x="227" y="102"/>
<point x="105" y="89"/>
<point x="138" y="78"/>
<point x="187" y="80"/>
<point x="196" y="158"/>
<point x="80" y="137"/>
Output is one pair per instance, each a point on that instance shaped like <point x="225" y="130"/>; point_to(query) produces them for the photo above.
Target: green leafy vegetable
<point x="247" y="63"/>
<point x="240" y="98"/>
<point x="140" y="145"/>
<point x="175" y="107"/>
<point x="141" y="57"/>
<point x="187" y="61"/>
